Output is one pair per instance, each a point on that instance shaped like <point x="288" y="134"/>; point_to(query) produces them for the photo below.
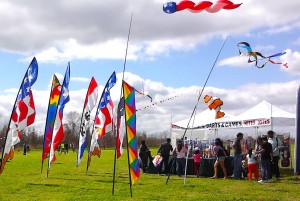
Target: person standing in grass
<point x="180" y="153"/>
<point x="24" y="148"/>
<point x="266" y="158"/>
<point x="258" y="156"/>
<point x="252" y="167"/>
<point x="164" y="151"/>
<point x="221" y="155"/>
<point x="238" y="156"/>
<point x="143" y="154"/>
<point x="276" y="144"/>
<point x="197" y="160"/>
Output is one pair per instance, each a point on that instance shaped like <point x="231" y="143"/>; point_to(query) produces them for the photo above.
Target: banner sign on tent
<point x="257" y="122"/>
<point x="232" y="124"/>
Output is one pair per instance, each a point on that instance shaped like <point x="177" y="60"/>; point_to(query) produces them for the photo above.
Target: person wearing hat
<point x="197" y="160"/>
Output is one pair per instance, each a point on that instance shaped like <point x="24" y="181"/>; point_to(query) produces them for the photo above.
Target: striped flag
<point x="104" y="115"/>
<point x="130" y="122"/>
<point x="51" y="115"/>
<point x="23" y="113"/>
<point x="89" y="104"/>
<point x="58" y="131"/>
<point x="103" y="122"/>
<point x="120" y="128"/>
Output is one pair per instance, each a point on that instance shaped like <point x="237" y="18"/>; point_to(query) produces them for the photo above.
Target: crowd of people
<point x="260" y="163"/>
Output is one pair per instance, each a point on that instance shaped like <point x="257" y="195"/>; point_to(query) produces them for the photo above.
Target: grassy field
<point x="22" y="180"/>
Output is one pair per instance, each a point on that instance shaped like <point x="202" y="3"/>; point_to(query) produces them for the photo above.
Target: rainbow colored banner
<point x="51" y="115"/>
<point x="130" y="122"/>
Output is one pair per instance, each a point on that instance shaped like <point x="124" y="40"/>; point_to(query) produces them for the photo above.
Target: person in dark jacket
<point x="266" y="158"/>
<point x="143" y="154"/>
<point x="164" y="151"/>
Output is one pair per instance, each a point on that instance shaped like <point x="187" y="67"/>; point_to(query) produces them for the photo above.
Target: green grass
<point x="22" y="180"/>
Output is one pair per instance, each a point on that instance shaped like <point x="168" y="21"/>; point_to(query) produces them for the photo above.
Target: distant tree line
<point x="71" y="135"/>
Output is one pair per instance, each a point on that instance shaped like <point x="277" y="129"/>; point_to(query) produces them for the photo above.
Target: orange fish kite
<point x="214" y="103"/>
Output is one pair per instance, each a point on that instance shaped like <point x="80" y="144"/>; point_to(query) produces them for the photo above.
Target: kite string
<point x="200" y="93"/>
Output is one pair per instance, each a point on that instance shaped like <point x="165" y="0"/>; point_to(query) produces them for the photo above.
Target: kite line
<point x="115" y="158"/>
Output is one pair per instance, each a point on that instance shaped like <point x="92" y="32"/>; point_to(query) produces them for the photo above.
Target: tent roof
<point x="203" y="118"/>
<point x="265" y="110"/>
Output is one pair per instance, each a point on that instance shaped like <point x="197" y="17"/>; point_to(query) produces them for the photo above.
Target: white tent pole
<point x="271" y="117"/>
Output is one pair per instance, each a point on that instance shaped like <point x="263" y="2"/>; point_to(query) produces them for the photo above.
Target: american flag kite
<point x="23" y="113"/>
<point x="104" y="115"/>
<point x="103" y="122"/>
<point x="89" y="104"/>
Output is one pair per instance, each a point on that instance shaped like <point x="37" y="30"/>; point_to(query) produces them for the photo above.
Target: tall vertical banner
<point x="120" y="128"/>
<point x="23" y="113"/>
<point x="103" y="122"/>
<point x="297" y="137"/>
<point x="89" y="104"/>
<point x="58" y="130"/>
<point x="130" y="123"/>
<point x="51" y="115"/>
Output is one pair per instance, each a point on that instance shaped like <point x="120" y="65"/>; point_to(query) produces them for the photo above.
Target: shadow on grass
<point x="50" y="185"/>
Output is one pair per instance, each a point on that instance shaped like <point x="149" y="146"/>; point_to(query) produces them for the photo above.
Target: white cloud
<point x="236" y="61"/>
<point x="62" y="31"/>
<point x="80" y="79"/>
<point x="293" y="60"/>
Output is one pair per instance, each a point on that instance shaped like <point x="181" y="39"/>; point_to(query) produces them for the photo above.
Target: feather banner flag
<point x="58" y="130"/>
<point x="23" y="113"/>
<point x="120" y="128"/>
<point x="104" y="115"/>
<point x="103" y="121"/>
<point x="51" y="115"/>
<point x="89" y="104"/>
<point x="130" y="122"/>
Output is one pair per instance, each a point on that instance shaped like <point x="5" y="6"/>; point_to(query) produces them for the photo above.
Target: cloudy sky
<point x="169" y="55"/>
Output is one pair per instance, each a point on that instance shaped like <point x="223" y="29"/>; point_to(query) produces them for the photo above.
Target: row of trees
<point x="71" y="130"/>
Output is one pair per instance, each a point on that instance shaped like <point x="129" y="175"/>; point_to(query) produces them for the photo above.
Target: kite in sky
<point x="256" y="56"/>
<point x="172" y="7"/>
<point x="214" y="103"/>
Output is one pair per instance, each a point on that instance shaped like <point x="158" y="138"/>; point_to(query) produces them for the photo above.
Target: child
<point x="197" y="160"/>
<point x="252" y="168"/>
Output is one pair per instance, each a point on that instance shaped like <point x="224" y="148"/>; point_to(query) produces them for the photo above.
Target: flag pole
<point x="200" y="93"/>
<point x="8" y="128"/>
<point x="121" y="94"/>
<point x="115" y="161"/>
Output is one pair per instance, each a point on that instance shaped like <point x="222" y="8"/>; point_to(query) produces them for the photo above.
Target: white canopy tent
<point x="199" y="122"/>
<point x="272" y="114"/>
<point x="266" y="114"/>
<point x="262" y="115"/>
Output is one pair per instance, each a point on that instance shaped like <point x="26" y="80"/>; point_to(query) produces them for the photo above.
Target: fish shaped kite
<point x="214" y="103"/>
<point x="172" y="7"/>
<point x="256" y="56"/>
